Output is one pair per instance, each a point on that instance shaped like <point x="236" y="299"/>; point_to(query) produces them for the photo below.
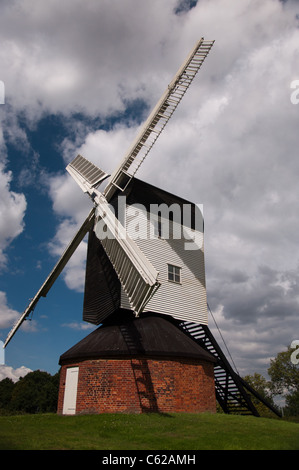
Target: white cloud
<point x="12" y="211"/>
<point x="78" y="326"/>
<point x="50" y="63"/>
<point x="250" y="348"/>
<point x="74" y="272"/>
<point x="104" y="149"/>
<point x="7" y="315"/>
<point x="13" y="374"/>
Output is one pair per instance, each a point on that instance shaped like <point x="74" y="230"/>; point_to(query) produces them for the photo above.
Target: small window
<point x="174" y="273"/>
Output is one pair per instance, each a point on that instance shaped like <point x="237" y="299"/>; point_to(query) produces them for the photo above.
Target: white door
<point x="70" y="391"/>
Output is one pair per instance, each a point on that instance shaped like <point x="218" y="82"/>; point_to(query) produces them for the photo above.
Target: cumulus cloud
<point x="104" y="149"/>
<point x="78" y="326"/>
<point x="48" y="61"/>
<point x="250" y="347"/>
<point x="74" y="272"/>
<point x="7" y="314"/>
<point x="13" y="374"/>
<point x="12" y="211"/>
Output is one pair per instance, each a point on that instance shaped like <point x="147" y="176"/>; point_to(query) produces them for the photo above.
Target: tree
<point x="283" y="373"/>
<point x="284" y="376"/>
<point x="292" y="404"/>
<point x="6" y="389"/>
<point x="263" y="388"/>
<point x="37" y="392"/>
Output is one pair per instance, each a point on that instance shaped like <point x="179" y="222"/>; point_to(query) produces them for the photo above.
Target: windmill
<point x="160" y="276"/>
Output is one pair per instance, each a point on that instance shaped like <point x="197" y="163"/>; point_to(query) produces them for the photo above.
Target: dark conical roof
<point x="123" y="334"/>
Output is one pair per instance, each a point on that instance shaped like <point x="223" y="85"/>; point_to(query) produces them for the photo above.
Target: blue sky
<point x="80" y="79"/>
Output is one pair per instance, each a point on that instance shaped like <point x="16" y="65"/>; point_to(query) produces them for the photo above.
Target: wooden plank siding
<point x="185" y="300"/>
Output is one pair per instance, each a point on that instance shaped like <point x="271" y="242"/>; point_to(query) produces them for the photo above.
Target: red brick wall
<point x="141" y="385"/>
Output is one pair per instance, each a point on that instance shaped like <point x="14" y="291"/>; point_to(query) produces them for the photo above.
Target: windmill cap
<point x="150" y="335"/>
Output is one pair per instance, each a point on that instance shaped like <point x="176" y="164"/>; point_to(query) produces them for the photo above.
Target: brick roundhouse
<point x="137" y="365"/>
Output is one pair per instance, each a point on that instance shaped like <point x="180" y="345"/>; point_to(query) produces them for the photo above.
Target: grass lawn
<point x="146" y="432"/>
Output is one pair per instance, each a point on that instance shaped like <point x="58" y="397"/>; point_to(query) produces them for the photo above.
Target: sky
<point x="81" y="77"/>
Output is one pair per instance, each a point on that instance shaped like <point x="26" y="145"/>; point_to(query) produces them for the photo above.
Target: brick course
<point x="139" y="384"/>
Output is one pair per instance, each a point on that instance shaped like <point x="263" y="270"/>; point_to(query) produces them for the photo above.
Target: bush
<point x="6" y="389"/>
<point x="37" y="392"/>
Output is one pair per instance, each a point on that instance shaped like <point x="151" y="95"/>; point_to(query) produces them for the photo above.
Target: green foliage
<point x="292" y="404"/>
<point x="263" y="388"/>
<point x="285" y="381"/>
<point x="261" y="385"/>
<point x="284" y="374"/>
<point x="6" y="389"/>
<point x="37" y="392"/>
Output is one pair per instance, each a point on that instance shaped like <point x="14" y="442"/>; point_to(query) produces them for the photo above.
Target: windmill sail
<point x="85" y="173"/>
<point x="73" y="245"/>
<point x="137" y="275"/>
<point x="158" y="118"/>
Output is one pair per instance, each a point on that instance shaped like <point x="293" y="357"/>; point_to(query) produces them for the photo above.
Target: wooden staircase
<point x="231" y="390"/>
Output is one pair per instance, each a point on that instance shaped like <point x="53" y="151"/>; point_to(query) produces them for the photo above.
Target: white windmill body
<point x="154" y="220"/>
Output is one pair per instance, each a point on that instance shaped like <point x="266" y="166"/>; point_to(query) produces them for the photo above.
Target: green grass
<point x="146" y="432"/>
